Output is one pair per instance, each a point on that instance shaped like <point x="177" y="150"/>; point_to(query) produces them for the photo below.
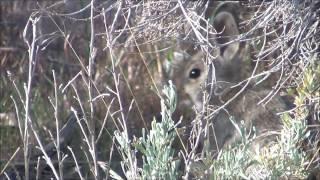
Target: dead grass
<point x="114" y="77"/>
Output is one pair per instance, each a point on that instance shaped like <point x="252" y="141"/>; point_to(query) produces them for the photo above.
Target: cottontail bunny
<point x="190" y="74"/>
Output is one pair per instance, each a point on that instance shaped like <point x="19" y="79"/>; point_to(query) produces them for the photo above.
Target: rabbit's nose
<point x="184" y="98"/>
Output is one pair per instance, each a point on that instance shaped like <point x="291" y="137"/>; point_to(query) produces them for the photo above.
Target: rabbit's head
<point x="190" y="72"/>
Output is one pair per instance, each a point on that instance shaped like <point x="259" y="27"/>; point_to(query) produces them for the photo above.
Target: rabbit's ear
<point x="227" y="29"/>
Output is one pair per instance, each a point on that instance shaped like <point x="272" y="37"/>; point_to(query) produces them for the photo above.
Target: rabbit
<point x="190" y="73"/>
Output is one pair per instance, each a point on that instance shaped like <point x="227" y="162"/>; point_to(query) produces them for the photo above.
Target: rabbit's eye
<point x="195" y="73"/>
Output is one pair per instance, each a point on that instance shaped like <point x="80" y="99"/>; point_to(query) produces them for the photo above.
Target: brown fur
<point x="227" y="67"/>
